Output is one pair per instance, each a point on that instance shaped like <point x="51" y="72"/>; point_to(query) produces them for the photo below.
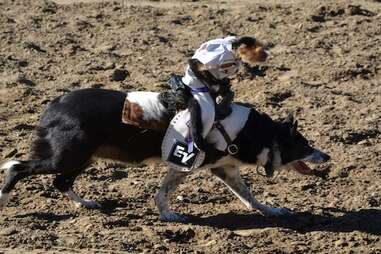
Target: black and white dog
<point x="84" y="124"/>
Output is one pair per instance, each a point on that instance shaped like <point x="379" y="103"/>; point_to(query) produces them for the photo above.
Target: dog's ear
<point x="244" y="50"/>
<point x="291" y="123"/>
<point x="289" y="119"/>
<point x="293" y="128"/>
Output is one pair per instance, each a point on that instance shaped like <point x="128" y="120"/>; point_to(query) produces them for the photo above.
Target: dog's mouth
<point x="316" y="157"/>
<point x="303" y="169"/>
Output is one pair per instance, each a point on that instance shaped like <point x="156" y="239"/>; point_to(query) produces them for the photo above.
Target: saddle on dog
<point x="177" y="147"/>
<point x="175" y="100"/>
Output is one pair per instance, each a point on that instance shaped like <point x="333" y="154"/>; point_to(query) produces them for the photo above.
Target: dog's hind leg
<point x="231" y="177"/>
<point x="64" y="183"/>
<point x="168" y="186"/>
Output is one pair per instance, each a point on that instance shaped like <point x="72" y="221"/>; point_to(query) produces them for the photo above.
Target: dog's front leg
<point x="168" y="186"/>
<point x="230" y="175"/>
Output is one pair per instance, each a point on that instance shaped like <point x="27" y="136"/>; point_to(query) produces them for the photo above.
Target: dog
<point x="83" y="124"/>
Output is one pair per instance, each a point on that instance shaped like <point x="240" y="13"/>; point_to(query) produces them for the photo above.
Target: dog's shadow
<point x="46" y="216"/>
<point x="331" y="220"/>
<point x="365" y="220"/>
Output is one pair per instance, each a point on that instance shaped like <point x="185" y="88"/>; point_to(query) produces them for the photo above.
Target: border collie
<point x="84" y="124"/>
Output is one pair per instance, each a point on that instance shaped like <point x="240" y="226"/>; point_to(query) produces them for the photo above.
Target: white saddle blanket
<point x="178" y="152"/>
<point x="177" y="148"/>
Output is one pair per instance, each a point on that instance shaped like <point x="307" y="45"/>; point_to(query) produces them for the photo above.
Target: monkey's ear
<point x="243" y="49"/>
<point x="243" y="46"/>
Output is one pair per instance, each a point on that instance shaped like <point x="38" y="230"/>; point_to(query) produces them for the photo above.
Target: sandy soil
<point x="325" y="67"/>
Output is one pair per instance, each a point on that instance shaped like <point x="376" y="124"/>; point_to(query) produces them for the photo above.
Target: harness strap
<point x="232" y="148"/>
<point x="200" y="90"/>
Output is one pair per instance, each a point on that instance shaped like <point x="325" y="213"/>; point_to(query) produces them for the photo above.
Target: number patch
<point x="179" y="155"/>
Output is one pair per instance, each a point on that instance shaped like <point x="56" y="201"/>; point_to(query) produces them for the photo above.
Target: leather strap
<point x="232" y="148"/>
<point x="200" y="90"/>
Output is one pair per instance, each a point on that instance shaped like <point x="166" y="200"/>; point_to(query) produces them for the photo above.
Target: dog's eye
<point x="306" y="144"/>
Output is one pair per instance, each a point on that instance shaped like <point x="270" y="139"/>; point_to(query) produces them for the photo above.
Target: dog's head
<point x="250" y="50"/>
<point x="293" y="146"/>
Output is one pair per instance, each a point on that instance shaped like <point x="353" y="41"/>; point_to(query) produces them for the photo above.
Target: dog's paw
<point x="173" y="217"/>
<point x="91" y="204"/>
<point x="276" y="212"/>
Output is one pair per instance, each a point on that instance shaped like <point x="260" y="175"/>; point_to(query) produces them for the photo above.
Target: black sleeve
<point x="196" y="123"/>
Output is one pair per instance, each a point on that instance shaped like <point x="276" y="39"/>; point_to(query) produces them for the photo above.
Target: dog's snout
<point x="325" y="157"/>
<point x="265" y="54"/>
<point x="317" y="157"/>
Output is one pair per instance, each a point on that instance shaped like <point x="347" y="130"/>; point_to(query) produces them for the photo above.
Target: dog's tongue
<point x="302" y="168"/>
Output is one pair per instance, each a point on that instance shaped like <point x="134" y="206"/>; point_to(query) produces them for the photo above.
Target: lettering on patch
<point x="179" y="155"/>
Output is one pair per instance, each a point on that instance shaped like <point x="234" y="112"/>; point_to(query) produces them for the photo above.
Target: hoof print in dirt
<point x="323" y="13"/>
<point x="357" y="10"/>
<point x="22" y="79"/>
<point x="34" y="46"/>
<point x="345" y="171"/>
<point x="277" y="98"/>
<point x="23" y="63"/>
<point x="179" y="236"/>
<point x="119" y="75"/>
<point x="323" y="173"/>
<point x="359" y="137"/>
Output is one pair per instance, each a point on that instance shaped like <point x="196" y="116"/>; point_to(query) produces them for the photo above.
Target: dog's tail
<point x="29" y="167"/>
<point x="10" y="164"/>
<point x="41" y="150"/>
<point x="17" y="170"/>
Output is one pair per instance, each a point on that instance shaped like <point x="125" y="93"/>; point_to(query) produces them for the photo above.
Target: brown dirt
<point x="326" y="67"/>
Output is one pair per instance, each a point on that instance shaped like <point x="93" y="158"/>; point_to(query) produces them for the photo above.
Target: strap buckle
<point x="232" y="149"/>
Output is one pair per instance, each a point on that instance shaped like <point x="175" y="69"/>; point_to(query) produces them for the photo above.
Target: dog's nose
<point x="264" y="54"/>
<point x="326" y="157"/>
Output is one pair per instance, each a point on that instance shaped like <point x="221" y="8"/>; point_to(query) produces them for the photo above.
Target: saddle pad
<point x="131" y="113"/>
<point x="175" y="148"/>
<point x="144" y="110"/>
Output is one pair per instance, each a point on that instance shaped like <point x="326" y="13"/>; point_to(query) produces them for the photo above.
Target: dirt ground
<point x="325" y="67"/>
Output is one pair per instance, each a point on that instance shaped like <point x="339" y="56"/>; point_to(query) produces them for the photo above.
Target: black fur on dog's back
<point x="87" y="122"/>
<point x="74" y="128"/>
